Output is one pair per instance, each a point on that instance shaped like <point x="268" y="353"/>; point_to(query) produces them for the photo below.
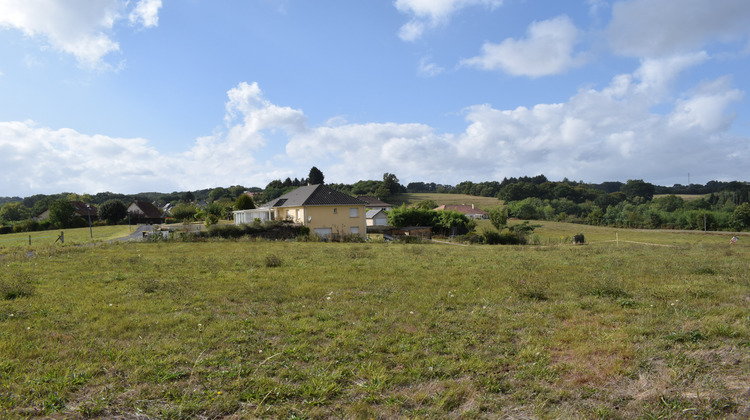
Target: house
<point x="374" y="204"/>
<point x="144" y="212"/>
<point x="376" y="217"/>
<point x="244" y="217"/>
<point x="468" y="210"/>
<point x="82" y="210"/>
<point x="325" y="211"/>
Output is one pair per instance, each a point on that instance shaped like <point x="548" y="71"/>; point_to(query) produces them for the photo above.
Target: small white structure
<point x="245" y="217"/>
<point x="376" y="218"/>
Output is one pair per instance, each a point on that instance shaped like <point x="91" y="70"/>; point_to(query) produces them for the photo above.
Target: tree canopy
<point x="113" y="211"/>
<point x="315" y="176"/>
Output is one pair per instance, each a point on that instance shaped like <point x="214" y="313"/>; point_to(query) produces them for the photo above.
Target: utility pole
<point x="91" y="232"/>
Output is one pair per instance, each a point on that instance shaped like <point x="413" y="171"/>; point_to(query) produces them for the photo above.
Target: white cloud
<point x="597" y="135"/>
<point x="547" y="49"/>
<point x="82" y="28"/>
<point x="646" y="28"/>
<point x="431" y="13"/>
<point x="428" y="68"/>
<point x="146" y="12"/>
<point x="40" y="159"/>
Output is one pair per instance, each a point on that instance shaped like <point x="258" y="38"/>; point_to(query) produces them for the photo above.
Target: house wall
<point x="379" y="220"/>
<point x="321" y="217"/>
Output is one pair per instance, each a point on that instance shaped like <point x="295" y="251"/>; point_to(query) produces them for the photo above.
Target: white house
<point x="376" y="218"/>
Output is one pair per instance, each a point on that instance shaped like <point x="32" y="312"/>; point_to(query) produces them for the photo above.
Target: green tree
<point x="402" y="216"/>
<point x="218" y="193"/>
<point x="741" y="217"/>
<point x="315" y="176"/>
<point x="61" y="213"/>
<point x="669" y="203"/>
<point x="391" y="183"/>
<point x="499" y="217"/>
<point x="244" y="202"/>
<point x="382" y="193"/>
<point x="427" y="204"/>
<point x="635" y="188"/>
<point x="113" y="211"/>
<point x="13" y="212"/>
<point x="184" y="211"/>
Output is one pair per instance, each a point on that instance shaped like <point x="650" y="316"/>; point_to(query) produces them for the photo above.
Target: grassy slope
<point x="413" y="198"/>
<point x="176" y="330"/>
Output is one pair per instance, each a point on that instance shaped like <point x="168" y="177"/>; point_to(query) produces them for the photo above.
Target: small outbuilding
<point x="244" y="217"/>
<point x="377" y="217"/>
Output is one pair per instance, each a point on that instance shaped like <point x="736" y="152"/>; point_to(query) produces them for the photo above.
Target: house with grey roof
<point x="327" y="212"/>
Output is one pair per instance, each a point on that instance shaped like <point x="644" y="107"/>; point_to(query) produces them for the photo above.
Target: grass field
<point x="413" y="198"/>
<point x="72" y="236"/>
<point x="379" y="330"/>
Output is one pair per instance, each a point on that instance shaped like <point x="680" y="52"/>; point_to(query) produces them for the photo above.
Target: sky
<point x="133" y="96"/>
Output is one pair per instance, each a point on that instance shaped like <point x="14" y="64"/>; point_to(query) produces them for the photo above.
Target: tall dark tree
<point x="315" y="176"/>
<point x="61" y="213"/>
<point x="113" y="211"/>
<point x="391" y="183"/>
<point x="638" y="188"/>
<point x="244" y="202"/>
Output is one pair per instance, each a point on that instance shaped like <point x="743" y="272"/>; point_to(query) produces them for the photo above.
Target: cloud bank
<point x="597" y="135"/>
<point x="82" y="28"/>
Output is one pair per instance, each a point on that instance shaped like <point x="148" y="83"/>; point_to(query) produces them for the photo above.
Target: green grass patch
<point x="72" y="236"/>
<point x="250" y="329"/>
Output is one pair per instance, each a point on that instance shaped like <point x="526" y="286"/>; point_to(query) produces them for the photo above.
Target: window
<point x="335" y="210"/>
<point x="353" y="212"/>
<point x="354" y="230"/>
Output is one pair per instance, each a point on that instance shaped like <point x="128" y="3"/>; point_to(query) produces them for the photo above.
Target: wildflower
<point x="328" y="298"/>
<point x="218" y="392"/>
<point x="260" y="351"/>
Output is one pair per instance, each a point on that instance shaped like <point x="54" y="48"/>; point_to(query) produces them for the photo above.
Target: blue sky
<point x="165" y="95"/>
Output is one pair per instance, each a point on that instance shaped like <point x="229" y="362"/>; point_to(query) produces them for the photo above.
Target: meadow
<point x="72" y="236"/>
<point x="448" y="199"/>
<point x="250" y="329"/>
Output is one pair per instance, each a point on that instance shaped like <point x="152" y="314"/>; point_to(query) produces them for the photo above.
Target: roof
<point x="314" y="195"/>
<point x="149" y="210"/>
<point x="461" y="208"/>
<point x="373" y="202"/>
<point x="82" y="209"/>
<point x="372" y="213"/>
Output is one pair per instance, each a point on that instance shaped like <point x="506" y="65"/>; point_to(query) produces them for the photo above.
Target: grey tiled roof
<point x="371" y="213"/>
<point x="314" y="195"/>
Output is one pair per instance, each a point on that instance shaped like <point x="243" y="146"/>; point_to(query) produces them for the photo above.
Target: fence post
<point x="617" y="238"/>
<point x="29" y="240"/>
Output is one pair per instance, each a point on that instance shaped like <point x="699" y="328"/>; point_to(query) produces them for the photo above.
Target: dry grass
<point x="212" y="330"/>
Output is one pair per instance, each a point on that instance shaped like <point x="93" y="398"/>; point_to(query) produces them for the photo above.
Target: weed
<point x="273" y="261"/>
<point x="14" y="286"/>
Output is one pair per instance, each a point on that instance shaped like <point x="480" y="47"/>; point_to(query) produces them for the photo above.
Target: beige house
<point x="325" y="211"/>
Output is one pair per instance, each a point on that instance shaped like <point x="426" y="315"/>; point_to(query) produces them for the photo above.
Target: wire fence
<point x="29" y="239"/>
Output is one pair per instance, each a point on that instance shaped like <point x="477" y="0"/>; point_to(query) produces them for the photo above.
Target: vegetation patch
<point x="283" y="329"/>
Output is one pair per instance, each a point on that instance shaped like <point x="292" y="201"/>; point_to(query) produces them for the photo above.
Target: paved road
<point x="137" y="235"/>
